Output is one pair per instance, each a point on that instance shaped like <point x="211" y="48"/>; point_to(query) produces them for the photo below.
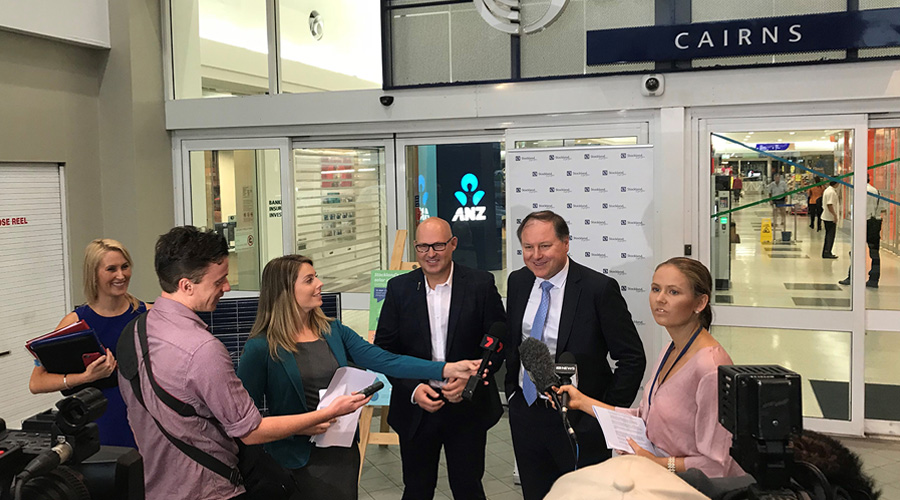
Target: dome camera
<point x="653" y="85"/>
<point x="386" y="100"/>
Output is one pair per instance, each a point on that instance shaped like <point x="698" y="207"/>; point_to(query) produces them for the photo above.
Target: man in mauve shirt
<point x="194" y="367"/>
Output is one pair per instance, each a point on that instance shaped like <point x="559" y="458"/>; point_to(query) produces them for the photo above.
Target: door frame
<point x="852" y="321"/>
<point x="355" y="301"/>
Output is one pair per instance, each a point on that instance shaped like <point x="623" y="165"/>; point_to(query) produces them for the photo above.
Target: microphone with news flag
<point x="491" y="343"/>
<point x="538" y="363"/>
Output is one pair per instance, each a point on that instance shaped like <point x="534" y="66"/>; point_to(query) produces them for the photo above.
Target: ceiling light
<point x="750" y="133"/>
<point x="792" y="133"/>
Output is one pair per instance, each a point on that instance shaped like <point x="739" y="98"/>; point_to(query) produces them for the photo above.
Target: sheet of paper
<point x="346" y="381"/>
<point x="618" y="427"/>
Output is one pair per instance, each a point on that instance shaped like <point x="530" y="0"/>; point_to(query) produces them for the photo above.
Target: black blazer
<point x="594" y="321"/>
<point x="403" y="328"/>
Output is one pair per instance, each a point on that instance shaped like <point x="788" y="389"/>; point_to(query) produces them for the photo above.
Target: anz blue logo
<point x="469" y="185"/>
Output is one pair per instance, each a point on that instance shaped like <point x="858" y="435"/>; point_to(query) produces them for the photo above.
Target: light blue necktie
<point x="537" y="332"/>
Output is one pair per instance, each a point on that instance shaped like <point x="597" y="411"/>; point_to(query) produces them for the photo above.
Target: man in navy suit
<point x="441" y="312"/>
<point x="586" y="315"/>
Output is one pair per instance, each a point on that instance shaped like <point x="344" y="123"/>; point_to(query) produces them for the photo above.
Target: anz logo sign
<point x="470" y="191"/>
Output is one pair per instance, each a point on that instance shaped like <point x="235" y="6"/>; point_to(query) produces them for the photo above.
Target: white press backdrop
<point x="605" y="194"/>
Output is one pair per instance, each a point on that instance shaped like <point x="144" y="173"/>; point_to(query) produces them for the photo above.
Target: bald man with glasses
<point x="441" y="312"/>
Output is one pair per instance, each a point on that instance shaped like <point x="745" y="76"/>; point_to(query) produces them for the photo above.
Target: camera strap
<point x="129" y="367"/>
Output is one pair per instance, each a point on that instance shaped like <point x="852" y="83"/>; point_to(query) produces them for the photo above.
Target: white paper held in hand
<point x="346" y="380"/>
<point x="618" y="427"/>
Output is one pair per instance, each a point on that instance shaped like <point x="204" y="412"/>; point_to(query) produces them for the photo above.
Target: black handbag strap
<point x="128" y="354"/>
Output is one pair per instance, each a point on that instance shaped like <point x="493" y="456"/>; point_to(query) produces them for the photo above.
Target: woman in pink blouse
<point x="680" y="406"/>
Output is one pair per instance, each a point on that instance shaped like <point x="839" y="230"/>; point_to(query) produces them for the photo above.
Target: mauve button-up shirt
<point x="192" y="365"/>
<point x="683" y="419"/>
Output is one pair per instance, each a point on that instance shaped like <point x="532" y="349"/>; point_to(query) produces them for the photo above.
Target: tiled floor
<point x="382" y="478"/>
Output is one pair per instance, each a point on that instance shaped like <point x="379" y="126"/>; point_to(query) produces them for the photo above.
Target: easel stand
<point x="384" y="437"/>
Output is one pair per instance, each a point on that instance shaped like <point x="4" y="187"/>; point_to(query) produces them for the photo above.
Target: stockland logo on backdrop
<point x="613" y="172"/>
<point x="614" y="271"/>
<point x="580" y="206"/>
<point x="526" y="158"/>
<point x="576" y="173"/>
<point x="626" y="189"/>
<point x="595" y="254"/>
<point x="535" y="173"/>
<point x="588" y="156"/>
<point x="469" y="185"/>
<point x="614" y="206"/>
<point x="588" y="189"/>
<point x="617" y="239"/>
<point x="560" y="157"/>
<point x="580" y="239"/>
<point x="635" y="256"/>
<point x="554" y="189"/>
<point x="636" y="289"/>
<point x="590" y="222"/>
<point x="632" y="223"/>
<point x="526" y="190"/>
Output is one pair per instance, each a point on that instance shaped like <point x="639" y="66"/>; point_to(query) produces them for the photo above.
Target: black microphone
<point x="491" y="343"/>
<point x="566" y="370"/>
<point x="538" y="362"/>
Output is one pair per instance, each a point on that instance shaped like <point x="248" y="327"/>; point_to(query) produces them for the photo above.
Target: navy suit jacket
<point x="594" y="322"/>
<point x="403" y="328"/>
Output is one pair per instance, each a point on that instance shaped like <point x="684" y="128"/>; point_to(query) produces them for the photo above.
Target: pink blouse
<point x="683" y="419"/>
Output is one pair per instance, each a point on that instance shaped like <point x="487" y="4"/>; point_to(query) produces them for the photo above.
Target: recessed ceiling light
<point x="792" y="133"/>
<point x="750" y="133"/>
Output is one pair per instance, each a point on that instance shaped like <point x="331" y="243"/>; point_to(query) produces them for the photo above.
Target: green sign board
<point x="377" y="291"/>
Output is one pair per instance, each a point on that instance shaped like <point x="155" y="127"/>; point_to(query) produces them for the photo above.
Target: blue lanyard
<point x="665" y="358"/>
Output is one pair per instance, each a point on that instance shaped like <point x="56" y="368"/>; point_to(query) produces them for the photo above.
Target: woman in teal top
<point x="293" y="352"/>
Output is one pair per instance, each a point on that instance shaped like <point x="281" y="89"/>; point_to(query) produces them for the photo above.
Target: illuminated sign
<point x="469" y="185"/>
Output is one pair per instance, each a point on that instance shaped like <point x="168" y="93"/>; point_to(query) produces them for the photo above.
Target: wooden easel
<point x="384" y="437"/>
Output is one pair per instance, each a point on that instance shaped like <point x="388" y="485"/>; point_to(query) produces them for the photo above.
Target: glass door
<point x="461" y="180"/>
<point x="235" y="187"/>
<point x="880" y="278"/>
<point x="780" y="297"/>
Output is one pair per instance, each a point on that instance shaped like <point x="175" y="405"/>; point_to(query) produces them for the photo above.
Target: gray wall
<point x="101" y="114"/>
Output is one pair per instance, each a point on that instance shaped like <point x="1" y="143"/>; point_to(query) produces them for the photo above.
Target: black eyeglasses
<point x="437" y="247"/>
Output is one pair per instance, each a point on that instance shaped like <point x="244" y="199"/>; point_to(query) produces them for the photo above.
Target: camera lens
<point x="652" y="83"/>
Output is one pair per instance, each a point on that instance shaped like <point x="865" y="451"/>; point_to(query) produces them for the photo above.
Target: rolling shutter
<point x="33" y="278"/>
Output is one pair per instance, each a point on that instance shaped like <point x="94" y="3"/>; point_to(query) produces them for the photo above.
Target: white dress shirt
<point x="438" y="300"/>
<point x="551" y="325"/>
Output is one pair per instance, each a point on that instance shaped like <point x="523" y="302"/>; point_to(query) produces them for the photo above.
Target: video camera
<point x="761" y="406"/>
<point x="31" y="459"/>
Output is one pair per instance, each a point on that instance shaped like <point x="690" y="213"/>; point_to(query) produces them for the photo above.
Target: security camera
<point x="386" y="100"/>
<point x="653" y="85"/>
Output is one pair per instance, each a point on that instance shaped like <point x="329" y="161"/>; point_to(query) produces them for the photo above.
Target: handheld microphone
<point x="567" y="371"/>
<point x="491" y="343"/>
<point x="538" y="362"/>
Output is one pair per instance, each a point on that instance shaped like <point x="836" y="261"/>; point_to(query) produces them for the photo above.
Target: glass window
<point x="463" y="184"/>
<point x="883" y="220"/>
<point x="238" y="193"/>
<point x="341" y="214"/>
<point x="557" y="143"/>
<point x="882" y="375"/>
<point x="822" y="358"/>
<point x="769" y="246"/>
<point x="219" y="48"/>
<point x="334" y="45"/>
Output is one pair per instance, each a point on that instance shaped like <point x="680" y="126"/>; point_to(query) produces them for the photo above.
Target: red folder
<point x="74" y="327"/>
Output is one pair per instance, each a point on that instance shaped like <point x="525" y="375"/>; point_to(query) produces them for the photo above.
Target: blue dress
<point x="113" y="424"/>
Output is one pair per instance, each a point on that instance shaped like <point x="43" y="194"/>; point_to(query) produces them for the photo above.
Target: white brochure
<point x="618" y="427"/>
<point x="346" y="381"/>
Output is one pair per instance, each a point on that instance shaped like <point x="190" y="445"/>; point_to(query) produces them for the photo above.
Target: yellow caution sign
<point x="765" y="233"/>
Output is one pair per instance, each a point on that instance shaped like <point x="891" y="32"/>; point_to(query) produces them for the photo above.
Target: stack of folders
<point x="67" y="350"/>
